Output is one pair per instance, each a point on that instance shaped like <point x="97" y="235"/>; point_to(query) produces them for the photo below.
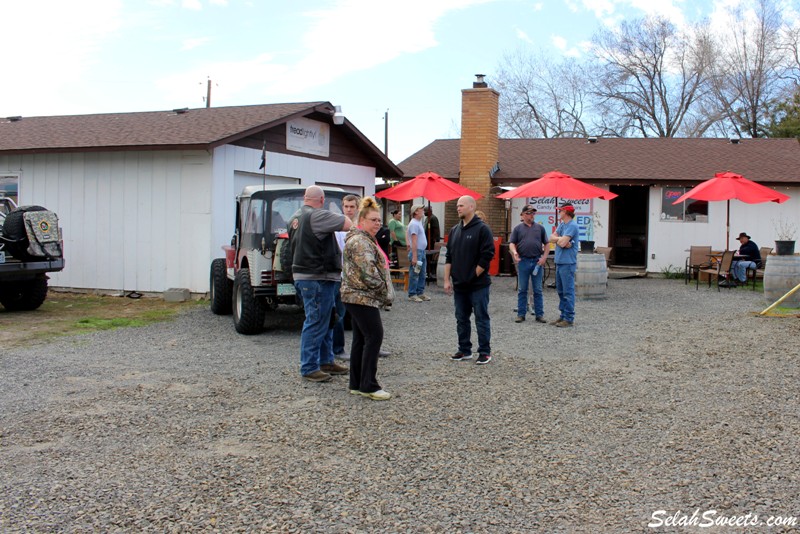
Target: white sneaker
<point x="424" y="297"/>
<point x="415" y="298"/>
<point x="378" y="395"/>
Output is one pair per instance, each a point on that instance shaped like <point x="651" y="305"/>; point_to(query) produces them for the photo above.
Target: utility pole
<point x="386" y="133"/>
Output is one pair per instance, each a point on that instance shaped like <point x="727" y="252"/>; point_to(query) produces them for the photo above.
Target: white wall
<point x="670" y="240"/>
<point x="130" y="220"/>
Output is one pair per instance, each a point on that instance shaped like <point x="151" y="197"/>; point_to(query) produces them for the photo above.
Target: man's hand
<point x="448" y="287"/>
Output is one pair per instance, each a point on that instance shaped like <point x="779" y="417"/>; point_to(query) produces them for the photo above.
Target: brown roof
<point x="615" y="160"/>
<point x="200" y="128"/>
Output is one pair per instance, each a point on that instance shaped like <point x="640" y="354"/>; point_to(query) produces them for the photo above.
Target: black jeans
<point x="367" y="341"/>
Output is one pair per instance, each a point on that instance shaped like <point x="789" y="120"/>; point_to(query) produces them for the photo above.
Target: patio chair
<point x="698" y="259"/>
<point x="722" y="270"/>
<point x="759" y="272"/>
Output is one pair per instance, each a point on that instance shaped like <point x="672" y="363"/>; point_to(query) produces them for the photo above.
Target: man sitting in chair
<point x="751" y="258"/>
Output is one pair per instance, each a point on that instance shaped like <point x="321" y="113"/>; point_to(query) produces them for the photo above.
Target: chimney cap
<point x="479" y="81"/>
<point x="591" y="139"/>
<point x="734" y="139"/>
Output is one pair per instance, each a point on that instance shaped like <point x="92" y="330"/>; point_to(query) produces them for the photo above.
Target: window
<point x="690" y="210"/>
<point x="9" y="187"/>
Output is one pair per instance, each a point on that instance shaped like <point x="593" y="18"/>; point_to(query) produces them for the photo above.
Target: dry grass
<point x="64" y="314"/>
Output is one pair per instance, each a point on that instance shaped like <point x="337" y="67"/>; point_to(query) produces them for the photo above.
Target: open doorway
<point x="628" y="225"/>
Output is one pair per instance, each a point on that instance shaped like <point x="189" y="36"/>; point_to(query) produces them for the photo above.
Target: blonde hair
<point x="481" y="215"/>
<point x="368" y="204"/>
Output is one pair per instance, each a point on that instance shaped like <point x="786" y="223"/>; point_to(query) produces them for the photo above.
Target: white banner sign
<point x="548" y="204"/>
<point x="308" y="137"/>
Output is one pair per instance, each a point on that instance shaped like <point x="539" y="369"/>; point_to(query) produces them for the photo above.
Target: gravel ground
<point x="660" y="398"/>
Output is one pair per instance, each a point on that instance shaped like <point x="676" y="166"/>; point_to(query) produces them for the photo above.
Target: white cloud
<point x="189" y="44"/>
<point x="352" y="36"/>
<point x="523" y="36"/>
<point x="559" y="42"/>
<point x="51" y="52"/>
<point x="192" y="4"/>
<point x="538" y="6"/>
<point x="223" y="3"/>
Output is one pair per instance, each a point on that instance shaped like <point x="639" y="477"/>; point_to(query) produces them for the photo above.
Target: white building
<point x="146" y="200"/>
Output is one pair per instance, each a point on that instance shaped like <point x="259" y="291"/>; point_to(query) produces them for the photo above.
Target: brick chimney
<point x="479" y="148"/>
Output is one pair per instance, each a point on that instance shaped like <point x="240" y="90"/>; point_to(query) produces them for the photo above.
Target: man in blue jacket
<point x="470" y="249"/>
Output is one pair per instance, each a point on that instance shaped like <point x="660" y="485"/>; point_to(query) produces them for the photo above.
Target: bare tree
<point x="650" y="79"/>
<point x="540" y="98"/>
<point x="748" y="76"/>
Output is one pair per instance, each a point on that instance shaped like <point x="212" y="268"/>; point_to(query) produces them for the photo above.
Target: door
<point x="628" y="228"/>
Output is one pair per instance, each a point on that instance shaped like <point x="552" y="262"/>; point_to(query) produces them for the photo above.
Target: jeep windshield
<point x="271" y="210"/>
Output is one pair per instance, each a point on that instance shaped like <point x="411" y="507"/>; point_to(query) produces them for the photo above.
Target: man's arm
<point x="486" y="250"/>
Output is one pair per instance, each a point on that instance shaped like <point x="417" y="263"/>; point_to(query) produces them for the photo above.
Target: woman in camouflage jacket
<point x="366" y="287"/>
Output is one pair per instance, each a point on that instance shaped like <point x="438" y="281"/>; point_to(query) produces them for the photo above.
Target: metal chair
<point x="758" y="272"/>
<point x="698" y="259"/>
<point x="723" y="270"/>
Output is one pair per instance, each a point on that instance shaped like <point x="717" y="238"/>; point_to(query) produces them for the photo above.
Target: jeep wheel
<point x="24" y="296"/>
<point x="248" y="311"/>
<point x="221" y="288"/>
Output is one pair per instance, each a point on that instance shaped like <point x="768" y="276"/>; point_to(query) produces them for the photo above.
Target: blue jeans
<point x="565" y="287"/>
<point x="338" y="327"/>
<point x="525" y="269"/>
<point x="416" y="282"/>
<point x="466" y="303"/>
<point x="316" y="340"/>
<point x="740" y="269"/>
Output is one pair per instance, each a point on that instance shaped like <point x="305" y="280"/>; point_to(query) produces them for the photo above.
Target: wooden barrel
<point x="591" y="277"/>
<point x="440" y="267"/>
<point x="781" y="274"/>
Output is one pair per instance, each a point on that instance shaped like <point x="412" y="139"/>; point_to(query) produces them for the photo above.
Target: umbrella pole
<point x="728" y="227"/>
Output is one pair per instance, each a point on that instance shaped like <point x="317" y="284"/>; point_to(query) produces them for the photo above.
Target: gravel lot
<point x="660" y="398"/>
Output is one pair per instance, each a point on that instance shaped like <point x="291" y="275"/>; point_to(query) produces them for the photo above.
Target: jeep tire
<point x="24" y="295"/>
<point x="248" y="311"/>
<point x="14" y="230"/>
<point x="221" y="288"/>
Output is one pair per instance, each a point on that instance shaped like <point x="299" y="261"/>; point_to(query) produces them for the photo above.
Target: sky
<point x="408" y="60"/>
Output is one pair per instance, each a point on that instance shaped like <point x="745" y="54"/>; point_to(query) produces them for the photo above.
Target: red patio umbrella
<point x="559" y="185"/>
<point x="728" y="185"/>
<point x="429" y="185"/>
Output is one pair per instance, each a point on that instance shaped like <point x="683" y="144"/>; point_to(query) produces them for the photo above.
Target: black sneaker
<point x="460" y="356"/>
<point x="483" y="359"/>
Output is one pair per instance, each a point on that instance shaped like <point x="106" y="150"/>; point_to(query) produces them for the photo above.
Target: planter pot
<point x="587" y="247"/>
<point x="781" y="274"/>
<point x="784" y="248"/>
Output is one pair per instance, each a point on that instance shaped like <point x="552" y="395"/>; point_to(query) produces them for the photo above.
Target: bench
<point x="400" y="276"/>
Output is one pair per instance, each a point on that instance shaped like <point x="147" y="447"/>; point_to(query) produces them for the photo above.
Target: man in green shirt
<point x="397" y="230"/>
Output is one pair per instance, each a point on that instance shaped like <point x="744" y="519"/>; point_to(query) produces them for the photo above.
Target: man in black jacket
<point x="316" y="267"/>
<point x="751" y="258"/>
<point x="470" y="249"/>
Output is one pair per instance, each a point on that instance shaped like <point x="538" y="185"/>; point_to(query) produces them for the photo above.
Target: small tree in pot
<point x="785" y="231"/>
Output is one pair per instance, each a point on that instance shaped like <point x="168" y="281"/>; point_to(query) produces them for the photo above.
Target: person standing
<point x="433" y="234"/>
<point x="417" y="243"/>
<point x="751" y="258"/>
<point x="366" y="287"/>
<point x="527" y="245"/>
<point x="316" y="267"/>
<point x="350" y="209"/>
<point x="566" y="239"/>
<point x="397" y="230"/>
<point x="470" y="249"/>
